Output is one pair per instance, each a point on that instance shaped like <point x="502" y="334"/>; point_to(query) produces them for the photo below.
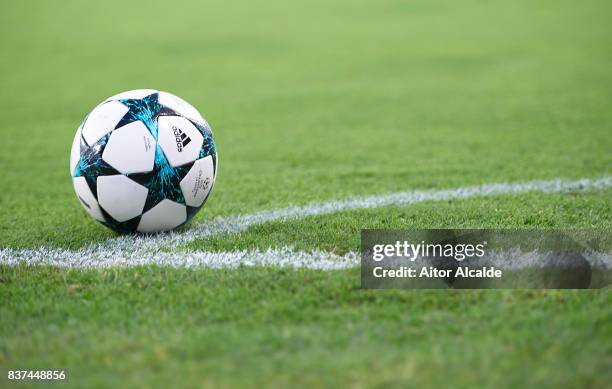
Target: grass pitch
<point x="311" y="102"/>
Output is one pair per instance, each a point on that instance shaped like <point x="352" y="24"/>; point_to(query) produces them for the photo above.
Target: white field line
<point x="141" y="249"/>
<point x="509" y="259"/>
<point x="284" y="257"/>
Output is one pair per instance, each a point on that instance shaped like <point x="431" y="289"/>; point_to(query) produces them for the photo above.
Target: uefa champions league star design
<point x="163" y="181"/>
<point x="146" y="110"/>
<point x="91" y="165"/>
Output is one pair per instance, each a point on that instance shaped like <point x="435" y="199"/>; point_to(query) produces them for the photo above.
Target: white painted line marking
<point x="284" y="257"/>
<point x="510" y="259"/>
<point x="146" y="249"/>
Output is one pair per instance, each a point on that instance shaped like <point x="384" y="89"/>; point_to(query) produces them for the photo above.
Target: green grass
<point x="311" y="102"/>
<point x="340" y="233"/>
<point x="261" y="327"/>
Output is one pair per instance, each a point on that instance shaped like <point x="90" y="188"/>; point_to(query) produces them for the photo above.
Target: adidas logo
<point x="181" y="138"/>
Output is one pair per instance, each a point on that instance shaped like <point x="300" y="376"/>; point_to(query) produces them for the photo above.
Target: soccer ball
<point x="143" y="161"/>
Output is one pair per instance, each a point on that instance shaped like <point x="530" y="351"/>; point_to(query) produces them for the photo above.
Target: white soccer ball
<point x="143" y="161"/>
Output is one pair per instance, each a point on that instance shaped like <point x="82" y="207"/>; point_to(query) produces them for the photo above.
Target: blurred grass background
<point x="311" y="101"/>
